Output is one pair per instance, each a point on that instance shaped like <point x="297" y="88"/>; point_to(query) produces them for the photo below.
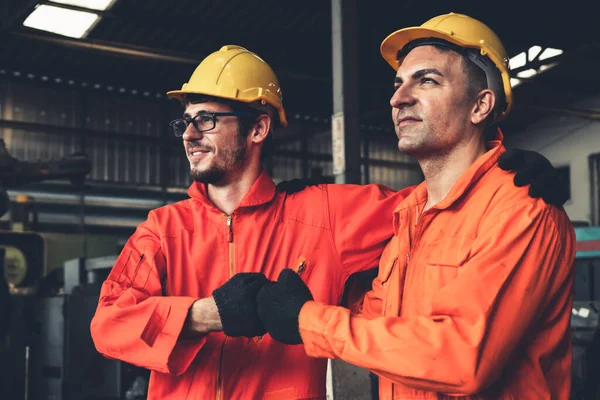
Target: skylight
<point x="550" y="52"/>
<point x="514" y="82"/>
<point x="100" y="5"/>
<point x="71" y="23"/>
<point x="528" y="73"/>
<point x="518" y="61"/>
<point x="534" y="53"/>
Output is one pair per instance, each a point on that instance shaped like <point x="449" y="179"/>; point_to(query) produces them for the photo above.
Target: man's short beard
<point x="216" y="173"/>
<point x="208" y="176"/>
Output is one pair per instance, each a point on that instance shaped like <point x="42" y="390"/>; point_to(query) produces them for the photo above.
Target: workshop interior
<point x="86" y="150"/>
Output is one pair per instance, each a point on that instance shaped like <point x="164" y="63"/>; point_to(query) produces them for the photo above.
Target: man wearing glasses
<point x="180" y="299"/>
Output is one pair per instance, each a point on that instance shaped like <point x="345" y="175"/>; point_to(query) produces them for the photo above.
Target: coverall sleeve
<point x="360" y="217"/>
<point x="134" y="322"/>
<point x="519" y="269"/>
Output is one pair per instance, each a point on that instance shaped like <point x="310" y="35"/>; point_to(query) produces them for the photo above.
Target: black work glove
<point x="295" y="185"/>
<point x="535" y="169"/>
<point x="236" y="302"/>
<point x="279" y="304"/>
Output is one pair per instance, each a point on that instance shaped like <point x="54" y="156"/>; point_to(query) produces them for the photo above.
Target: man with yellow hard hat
<point x="181" y="298"/>
<point x="474" y="291"/>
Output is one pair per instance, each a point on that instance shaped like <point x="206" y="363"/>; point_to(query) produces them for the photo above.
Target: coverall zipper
<point x="230" y="240"/>
<point x="231" y="273"/>
<point x="300" y="265"/>
<point x="219" y="378"/>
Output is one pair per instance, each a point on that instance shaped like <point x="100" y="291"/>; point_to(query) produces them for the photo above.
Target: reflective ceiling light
<point x="100" y="5"/>
<point x="528" y="73"/>
<point x="533" y="52"/>
<point x="71" y="23"/>
<point x="547" y="66"/>
<point x="518" y="61"/>
<point x="521" y="60"/>
<point x="550" y="52"/>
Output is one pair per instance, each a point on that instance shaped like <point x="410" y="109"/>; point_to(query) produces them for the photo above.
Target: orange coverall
<point x="186" y="250"/>
<point x="473" y="297"/>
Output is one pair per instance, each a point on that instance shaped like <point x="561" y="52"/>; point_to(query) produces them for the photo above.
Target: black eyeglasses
<point x="203" y="122"/>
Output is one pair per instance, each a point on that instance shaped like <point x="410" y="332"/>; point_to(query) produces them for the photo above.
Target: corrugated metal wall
<point x="130" y="144"/>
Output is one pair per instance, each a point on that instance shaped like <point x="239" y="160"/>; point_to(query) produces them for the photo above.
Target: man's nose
<point x="402" y="97"/>
<point x="191" y="133"/>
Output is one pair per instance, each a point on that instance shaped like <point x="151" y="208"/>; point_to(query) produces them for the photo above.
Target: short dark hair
<point x="476" y="82"/>
<point x="245" y="123"/>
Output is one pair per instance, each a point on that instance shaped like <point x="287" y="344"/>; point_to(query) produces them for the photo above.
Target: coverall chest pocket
<point x="444" y="261"/>
<point x="386" y="272"/>
<point x="391" y="292"/>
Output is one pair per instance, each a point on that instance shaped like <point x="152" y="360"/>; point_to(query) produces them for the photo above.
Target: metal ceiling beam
<point x="110" y="47"/>
<point x="139" y="52"/>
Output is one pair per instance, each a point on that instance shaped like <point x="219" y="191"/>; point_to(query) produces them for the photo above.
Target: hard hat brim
<point x="397" y="40"/>
<point x="181" y="95"/>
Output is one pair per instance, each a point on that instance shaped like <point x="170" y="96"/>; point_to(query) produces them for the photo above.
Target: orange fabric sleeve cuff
<point x="182" y="352"/>
<point x="312" y="323"/>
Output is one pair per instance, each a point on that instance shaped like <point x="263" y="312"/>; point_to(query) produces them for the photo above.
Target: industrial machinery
<point x="22" y="257"/>
<point x="14" y="173"/>
<point x="47" y="300"/>
<point x="586" y="315"/>
<point x="66" y="364"/>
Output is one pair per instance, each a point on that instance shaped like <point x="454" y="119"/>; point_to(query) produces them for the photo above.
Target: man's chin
<point x="208" y="176"/>
<point x="405" y="144"/>
<point x="409" y="148"/>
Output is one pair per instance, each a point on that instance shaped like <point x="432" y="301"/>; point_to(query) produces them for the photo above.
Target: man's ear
<point x="483" y="107"/>
<point x="261" y="129"/>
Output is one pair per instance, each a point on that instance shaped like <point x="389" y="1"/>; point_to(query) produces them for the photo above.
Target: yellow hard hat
<point x="235" y="73"/>
<point x="463" y="31"/>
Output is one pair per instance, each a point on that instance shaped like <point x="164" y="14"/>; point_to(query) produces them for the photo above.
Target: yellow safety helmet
<point x="465" y="32"/>
<point x="235" y="73"/>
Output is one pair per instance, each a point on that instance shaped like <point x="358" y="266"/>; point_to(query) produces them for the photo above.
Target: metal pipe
<point x="78" y="132"/>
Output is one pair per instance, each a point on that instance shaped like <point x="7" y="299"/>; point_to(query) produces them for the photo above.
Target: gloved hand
<point x="295" y="185"/>
<point x="279" y="304"/>
<point x="236" y="303"/>
<point x="535" y="169"/>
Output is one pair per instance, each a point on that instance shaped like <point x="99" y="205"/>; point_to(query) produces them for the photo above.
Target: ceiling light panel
<point x="71" y="23"/>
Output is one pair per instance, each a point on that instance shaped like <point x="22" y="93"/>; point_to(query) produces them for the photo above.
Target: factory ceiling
<point x="151" y="46"/>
